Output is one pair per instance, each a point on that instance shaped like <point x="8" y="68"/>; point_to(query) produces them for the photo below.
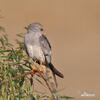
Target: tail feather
<point x="55" y="71"/>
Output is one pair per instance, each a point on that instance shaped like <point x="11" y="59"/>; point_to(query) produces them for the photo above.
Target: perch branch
<point x="17" y="77"/>
<point x="49" y="87"/>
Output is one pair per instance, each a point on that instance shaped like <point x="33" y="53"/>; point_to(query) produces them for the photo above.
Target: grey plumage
<point x="38" y="47"/>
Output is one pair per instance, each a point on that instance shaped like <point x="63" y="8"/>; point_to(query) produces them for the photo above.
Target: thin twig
<point x="49" y="87"/>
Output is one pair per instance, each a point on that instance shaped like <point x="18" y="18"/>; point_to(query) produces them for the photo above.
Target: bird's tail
<point x="55" y="71"/>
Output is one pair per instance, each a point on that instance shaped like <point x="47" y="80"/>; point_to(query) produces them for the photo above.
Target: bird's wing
<point x="46" y="47"/>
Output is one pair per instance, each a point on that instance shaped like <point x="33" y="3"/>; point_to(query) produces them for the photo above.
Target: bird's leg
<point x="34" y="69"/>
<point x="40" y="68"/>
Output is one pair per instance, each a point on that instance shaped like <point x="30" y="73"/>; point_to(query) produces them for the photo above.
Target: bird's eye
<point x="41" y="29"/>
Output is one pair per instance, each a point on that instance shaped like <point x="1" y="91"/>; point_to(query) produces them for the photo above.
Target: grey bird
<point x="38" y="47"/>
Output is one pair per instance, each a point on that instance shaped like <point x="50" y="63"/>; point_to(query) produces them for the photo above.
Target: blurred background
<point x="73" y="29"/>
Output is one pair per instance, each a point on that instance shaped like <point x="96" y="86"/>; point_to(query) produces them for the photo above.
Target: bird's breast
<point x="36" y="52"/>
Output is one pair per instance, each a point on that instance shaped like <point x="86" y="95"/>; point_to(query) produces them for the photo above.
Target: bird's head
<point x="35" y="27"/>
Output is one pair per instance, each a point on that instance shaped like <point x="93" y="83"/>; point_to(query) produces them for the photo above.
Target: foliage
<point x="15" y="81"/>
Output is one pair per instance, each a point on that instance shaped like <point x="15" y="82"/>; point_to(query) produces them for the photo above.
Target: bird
<point x="38" y="48"/>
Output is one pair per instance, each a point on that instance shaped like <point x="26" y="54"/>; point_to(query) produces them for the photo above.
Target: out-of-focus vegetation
<point x="16" y="83"/>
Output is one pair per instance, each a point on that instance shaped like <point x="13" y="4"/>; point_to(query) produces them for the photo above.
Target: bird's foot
<point x="40" y="70"/>
<point x="34" y="69"/>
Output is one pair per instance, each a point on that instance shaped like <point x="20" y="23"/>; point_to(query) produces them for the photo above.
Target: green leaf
<point x="1" y="98"/>
<point x="3" y="89"/>
<point x="31" y="97"/>
<point x="54" y="91"/>
<point x="19" y="96"/>
<point x="31" y="81"/>
<point x="66" y="97"/>
<point x="21" y="82"/>
<point x="21" y="35"/>
<point x="38" y="97"/>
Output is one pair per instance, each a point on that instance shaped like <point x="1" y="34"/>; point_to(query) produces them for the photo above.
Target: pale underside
<point x="36" y="52"/>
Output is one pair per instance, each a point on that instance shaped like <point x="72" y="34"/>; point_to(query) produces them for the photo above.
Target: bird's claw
<point x="39" y="70"/>
<point x="34" y="69"/>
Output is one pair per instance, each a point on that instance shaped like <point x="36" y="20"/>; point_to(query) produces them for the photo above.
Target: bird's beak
<point x="41" y="29"/>
<point x="26" y="27"/>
